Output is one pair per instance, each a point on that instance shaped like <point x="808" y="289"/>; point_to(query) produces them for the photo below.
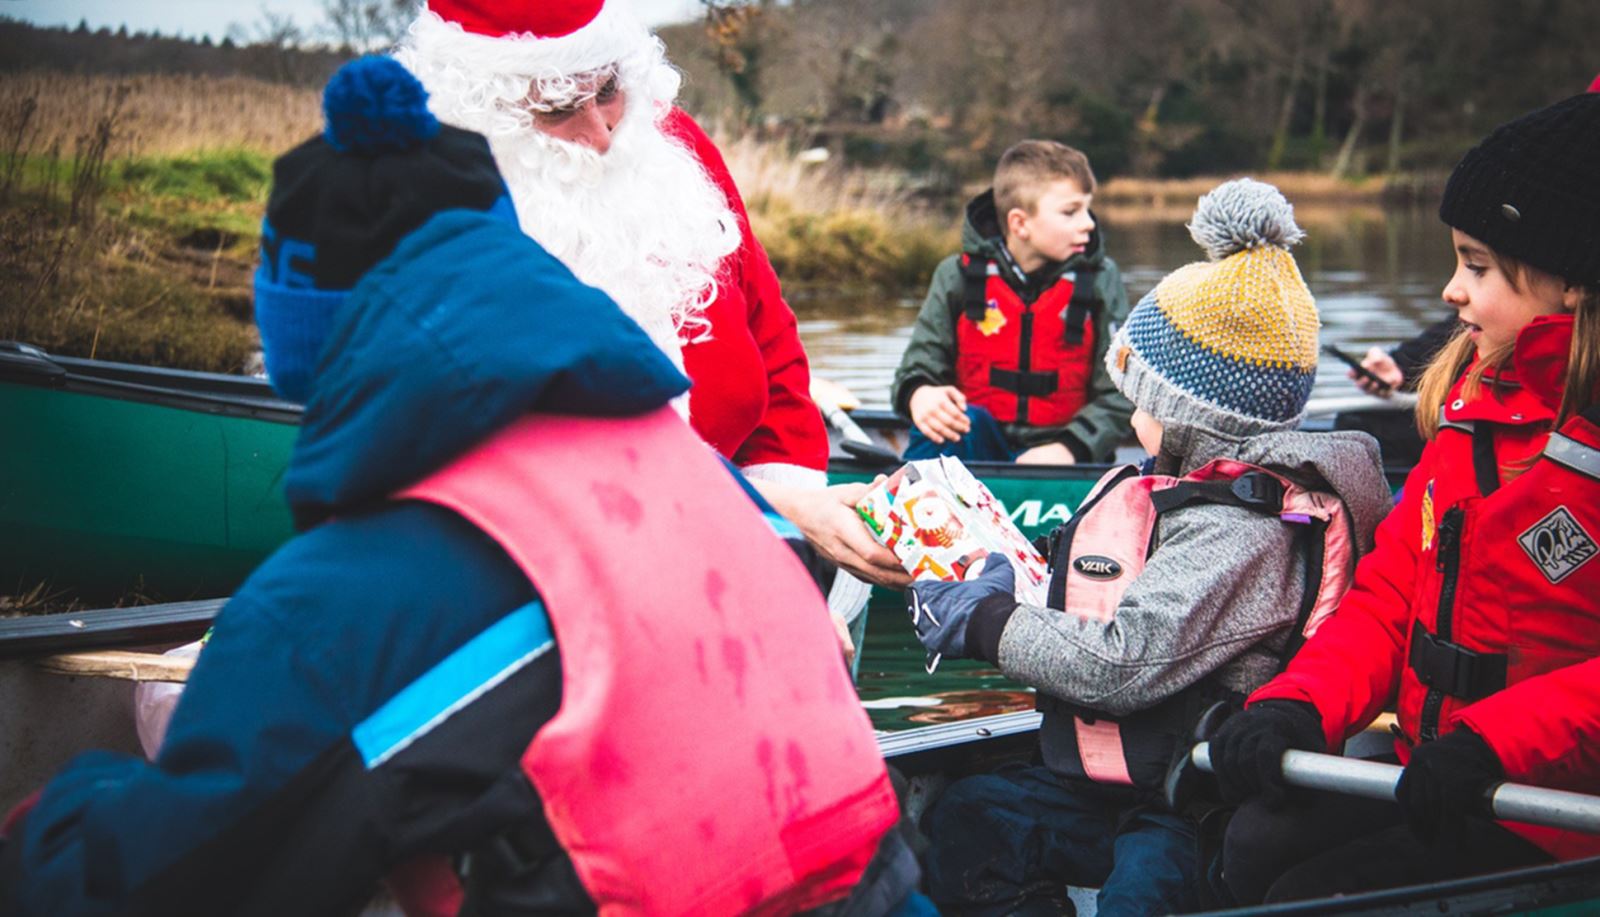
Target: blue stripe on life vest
<point x="783" y="527"/>
<point x="466" y="674"/>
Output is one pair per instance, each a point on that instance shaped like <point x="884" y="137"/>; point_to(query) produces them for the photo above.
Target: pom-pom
<point x="1243" y="214"/>
<point x="374" y="105"/>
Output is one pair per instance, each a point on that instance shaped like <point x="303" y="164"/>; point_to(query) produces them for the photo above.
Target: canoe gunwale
<point x="1512" y="891"/>
<point x="106" y="628"/>
<point x="210" y="393"/>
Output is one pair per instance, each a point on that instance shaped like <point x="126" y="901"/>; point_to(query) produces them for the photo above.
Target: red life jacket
<point x="1103" y="548"/>
<point x="1507" y="591"/>
<point x="1025" y="362"/>
<point x="710" y="755"/>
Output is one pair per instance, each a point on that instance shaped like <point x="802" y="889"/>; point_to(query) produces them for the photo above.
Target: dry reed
<point x="825" y="225"/>
<point x="169" y="115"/>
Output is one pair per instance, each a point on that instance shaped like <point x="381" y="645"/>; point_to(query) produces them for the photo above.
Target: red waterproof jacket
<point x="1480" y="605"/>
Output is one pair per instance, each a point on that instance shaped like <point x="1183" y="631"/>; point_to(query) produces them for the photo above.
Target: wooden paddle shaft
<point x="120" y="664"/>
<point x="1375" y="780"/>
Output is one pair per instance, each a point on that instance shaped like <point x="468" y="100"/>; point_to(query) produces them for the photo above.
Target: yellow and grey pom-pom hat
<point x="1229" y="344"/>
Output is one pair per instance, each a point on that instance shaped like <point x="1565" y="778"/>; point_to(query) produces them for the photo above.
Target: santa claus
<point x="576" y="98"/>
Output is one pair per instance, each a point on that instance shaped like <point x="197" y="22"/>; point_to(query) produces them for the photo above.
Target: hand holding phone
<point x="1356" y="367"/>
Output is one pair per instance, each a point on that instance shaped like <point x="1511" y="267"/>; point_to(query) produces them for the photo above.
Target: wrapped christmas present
<point x="942" y="522"/>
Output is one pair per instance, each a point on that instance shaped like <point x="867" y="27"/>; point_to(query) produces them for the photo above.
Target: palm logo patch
<point x="1558" y="545"/>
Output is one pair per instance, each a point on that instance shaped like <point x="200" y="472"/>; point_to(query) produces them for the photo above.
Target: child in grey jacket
<point x="1218" y="361"/>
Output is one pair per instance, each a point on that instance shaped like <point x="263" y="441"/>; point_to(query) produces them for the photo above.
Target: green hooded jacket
<point x="930" y="359"/>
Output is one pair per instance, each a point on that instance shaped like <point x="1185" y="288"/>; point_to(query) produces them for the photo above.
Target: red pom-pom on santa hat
<point x="498" y="18"/>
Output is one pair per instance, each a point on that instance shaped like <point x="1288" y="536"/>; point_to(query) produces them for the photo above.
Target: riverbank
<point x="131" y="209"/>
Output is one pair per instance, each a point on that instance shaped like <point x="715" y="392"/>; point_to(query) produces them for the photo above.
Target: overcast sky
<point x="195" y="18"/>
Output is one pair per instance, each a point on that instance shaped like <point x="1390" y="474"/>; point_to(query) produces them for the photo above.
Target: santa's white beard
<point x="643" y="222"/>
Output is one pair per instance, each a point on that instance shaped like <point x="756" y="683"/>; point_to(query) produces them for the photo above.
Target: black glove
<point x="1445" y="780"/>
<point x="1247" y="751"/>
<point x="942" y="612"/>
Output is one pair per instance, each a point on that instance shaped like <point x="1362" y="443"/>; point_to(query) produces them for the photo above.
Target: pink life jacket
<point x="1103" y="548"/>
<point x="710" y="755"/>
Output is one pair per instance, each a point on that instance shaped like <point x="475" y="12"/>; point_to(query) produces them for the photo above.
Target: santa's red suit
<point x="649" y="231"/>
<point x="750" y="397"/>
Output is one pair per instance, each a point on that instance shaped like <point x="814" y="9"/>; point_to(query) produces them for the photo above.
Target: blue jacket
<point x="366" y="694"/>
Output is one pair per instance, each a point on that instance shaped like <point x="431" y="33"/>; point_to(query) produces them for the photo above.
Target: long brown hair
<point x="1583" y="366"/>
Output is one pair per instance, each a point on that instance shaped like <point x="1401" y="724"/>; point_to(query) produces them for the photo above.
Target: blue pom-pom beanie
<point x="342" y="201"/>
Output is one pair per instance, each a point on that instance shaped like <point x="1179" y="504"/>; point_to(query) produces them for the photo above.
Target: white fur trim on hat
<point x="612" y="35"/>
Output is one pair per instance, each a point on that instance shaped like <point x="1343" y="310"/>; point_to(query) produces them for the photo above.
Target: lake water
<point x="1376" y="276"/>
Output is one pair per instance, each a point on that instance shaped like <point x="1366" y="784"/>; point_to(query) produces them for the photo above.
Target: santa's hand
<point x="941" y="612"/>
<point x="829" y="520"/>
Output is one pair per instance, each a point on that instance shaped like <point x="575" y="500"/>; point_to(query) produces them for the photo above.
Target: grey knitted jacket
<point x="1220" y="592"/>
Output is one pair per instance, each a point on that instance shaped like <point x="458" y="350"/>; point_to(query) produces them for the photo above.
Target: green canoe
<point x="167" y="485"/>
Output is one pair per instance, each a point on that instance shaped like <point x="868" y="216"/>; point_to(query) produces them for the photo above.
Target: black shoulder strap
<point x="1252" y="490"/>
<point x="1084" y="301"/>
<point x="1314" y="545"/>
<point x="1484" y="464"/>
<point x="975" y="276"/>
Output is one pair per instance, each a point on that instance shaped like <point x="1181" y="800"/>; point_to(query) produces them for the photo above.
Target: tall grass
<point x="827" y="226"/>
<point x="114" y="257"/>
<point x="169" y="115"/>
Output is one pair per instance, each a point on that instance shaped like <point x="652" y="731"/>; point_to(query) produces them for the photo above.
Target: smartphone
<point x="1355" y="365"/>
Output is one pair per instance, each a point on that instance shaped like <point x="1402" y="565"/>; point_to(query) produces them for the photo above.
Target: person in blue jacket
<point x="342" y="718"/>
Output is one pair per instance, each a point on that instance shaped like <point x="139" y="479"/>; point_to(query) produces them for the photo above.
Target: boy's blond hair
<point x="1027" y="167"/>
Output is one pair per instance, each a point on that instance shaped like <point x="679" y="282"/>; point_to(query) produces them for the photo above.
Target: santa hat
<point x="529" y="37"/>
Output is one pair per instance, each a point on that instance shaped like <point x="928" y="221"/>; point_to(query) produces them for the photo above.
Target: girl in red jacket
<point x="1478" y="613"/>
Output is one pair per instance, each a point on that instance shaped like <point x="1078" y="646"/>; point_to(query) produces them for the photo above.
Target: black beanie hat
<point x="342" y="201"/>
<point x="1531" y="190"/>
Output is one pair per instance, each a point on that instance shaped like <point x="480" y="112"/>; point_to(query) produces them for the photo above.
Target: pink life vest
<point x="1104" y="547"/>
<point x="710" y="755"/>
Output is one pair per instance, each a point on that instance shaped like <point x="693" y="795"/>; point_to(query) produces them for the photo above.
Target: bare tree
<point x="276" y="37"/>
<point x="367" y="25"/>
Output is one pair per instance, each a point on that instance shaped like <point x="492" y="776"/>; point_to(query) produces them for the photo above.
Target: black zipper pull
<point x="1449" y="536"/>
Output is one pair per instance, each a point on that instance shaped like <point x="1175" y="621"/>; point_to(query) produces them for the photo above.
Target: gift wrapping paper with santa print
<point x="942" y="522"/>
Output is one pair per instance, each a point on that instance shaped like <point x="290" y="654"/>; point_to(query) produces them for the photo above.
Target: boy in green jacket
<point x="1006" y="358"/>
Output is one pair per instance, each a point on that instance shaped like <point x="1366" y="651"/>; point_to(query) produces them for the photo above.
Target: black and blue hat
<point x="343" y="200"/>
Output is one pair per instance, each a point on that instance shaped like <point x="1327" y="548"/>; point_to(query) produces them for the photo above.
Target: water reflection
<point x="1376" y="275"/>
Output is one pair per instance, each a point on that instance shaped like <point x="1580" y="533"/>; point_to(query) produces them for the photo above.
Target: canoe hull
<point x="145" y="484"/>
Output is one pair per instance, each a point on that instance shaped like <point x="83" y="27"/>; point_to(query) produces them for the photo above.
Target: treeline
<point x="1151" y="88"/>
<point x="266" y="55"/>
<point x="1160" y="88"/>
